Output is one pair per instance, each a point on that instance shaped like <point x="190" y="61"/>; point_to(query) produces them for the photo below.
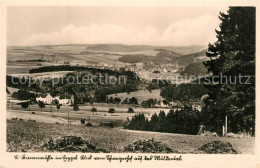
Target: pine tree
<point x="231" y="56"/>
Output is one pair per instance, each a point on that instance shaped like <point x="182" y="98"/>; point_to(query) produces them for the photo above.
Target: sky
<point x="162" y="26"/>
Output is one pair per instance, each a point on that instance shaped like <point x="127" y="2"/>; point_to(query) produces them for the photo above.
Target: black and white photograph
<point x="164" y="81"/>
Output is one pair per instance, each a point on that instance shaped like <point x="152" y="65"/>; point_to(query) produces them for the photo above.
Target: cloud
<point x="198" y="31"/>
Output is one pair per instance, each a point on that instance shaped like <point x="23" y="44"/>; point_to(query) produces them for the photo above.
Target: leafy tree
<point x="165" y="102"/>
<point x="125" y="101"/>
<point x="23" y="95"/>
<point x="55" y="102"/>
<point x="232" y="55"/>
<point x="130" y="110"/>
<point x="100" y="96"/>
<point x="41" y="105"/>
<point x="133" y="101"/>
<point x="94" y="110"/>
<point x="75" y="107"/>
<point x="58" y="107"/>
<point x="111" y="100"/>
<point x="25" y="105"/>
<point x="111" y="110"/>
<point x="117" y="100"/>
<point x="150" y="102"/>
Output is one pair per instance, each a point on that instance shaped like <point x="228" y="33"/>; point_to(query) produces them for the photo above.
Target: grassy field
<point x="141" y="95"/>
<point x="102" y="115"/>
<point x="25" y="136"/>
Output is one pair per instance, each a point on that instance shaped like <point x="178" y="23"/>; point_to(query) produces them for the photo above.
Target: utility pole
<point x="68" y="120"/>
<point x="226" y="125"/>
<point x="51" y="109"/>
<point x="223" y="130"/>
<point x="68" y="117"/>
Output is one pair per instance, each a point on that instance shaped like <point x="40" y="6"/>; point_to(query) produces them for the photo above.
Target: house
<point x="66" y="99"/>
<point x="46" y="98"/>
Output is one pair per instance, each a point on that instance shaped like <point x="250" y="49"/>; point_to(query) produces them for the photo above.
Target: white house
<point x="45" y="98"/>
<point x="66" y="99"/>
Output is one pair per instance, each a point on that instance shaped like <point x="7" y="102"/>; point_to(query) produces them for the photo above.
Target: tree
<point x="91" y="100"/>
<point x="133" y="101"/>
<point x="7" y="91"/>
<point x="100" y="96"/>
<point x="111" y="110"/>
<point x="231" y="56"/>
<point x="165" y="102"/>
<point x="56" y="102"/>
<point x="41" y="105"/>
<point x="117" y="100"/>
<point x="130" y="110"/>
<point x="94" y="110"/>
<point x="111" y="100"/>
<point x="58" y="107"/>
<point x="25" y="105"/>
<point x="125" y="101"/>
<point x="75" y="107"/>
<point x="150" y="102"/>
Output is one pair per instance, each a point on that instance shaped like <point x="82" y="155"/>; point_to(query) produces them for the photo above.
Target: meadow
<point x="141" y="95"/>
<point x="25" y="136"/>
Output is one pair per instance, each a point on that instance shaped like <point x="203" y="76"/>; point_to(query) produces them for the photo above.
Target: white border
<point x="189" y="160"/>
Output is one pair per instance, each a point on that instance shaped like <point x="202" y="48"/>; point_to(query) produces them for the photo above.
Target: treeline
<point x="129" y="74"/>
<point x="183" y="92"/>
<point x="32" y="60"/>
<point x="184" y="121"/>
<point x="195" y="69"/>
<point x="232" y="55"/>
<point x="16" y="82"/>
<point x="24" y="95"/>
<point x="164" y="56"/>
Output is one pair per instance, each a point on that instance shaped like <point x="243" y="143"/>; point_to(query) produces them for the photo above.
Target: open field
<point x="102" y="115"/>
<point x="25" y="136"/>
<point x="141" y="95"/>
<point x="81" y="54"/>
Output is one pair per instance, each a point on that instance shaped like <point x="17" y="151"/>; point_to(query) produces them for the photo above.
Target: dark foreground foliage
<point x="71" y="144"/>
<point x="185" y="121"/>
<point x="231" y="90"/>
<point x="218" y="147"/>
<point x="149" y="146"/>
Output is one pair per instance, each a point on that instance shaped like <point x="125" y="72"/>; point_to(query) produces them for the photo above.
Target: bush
<point x="71" y="144"/>
<point x="106" y="124"/>
<point x="217" y="147"/>
<point x="94" y="109"/>
<point x="184" y="121"/>
<point x="88" y="124"/>
<point x="149" y="146"/>
<point x="111" y="110"/>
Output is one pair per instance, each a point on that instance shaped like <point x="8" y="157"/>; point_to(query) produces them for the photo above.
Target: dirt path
<point x="36" y="117"/>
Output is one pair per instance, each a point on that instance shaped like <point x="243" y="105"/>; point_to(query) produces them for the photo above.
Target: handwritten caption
<point x="109" y="158"/>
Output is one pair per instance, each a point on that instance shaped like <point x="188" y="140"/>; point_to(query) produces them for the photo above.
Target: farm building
<point x="64" y="99"/>
<point x="46" y="98"/>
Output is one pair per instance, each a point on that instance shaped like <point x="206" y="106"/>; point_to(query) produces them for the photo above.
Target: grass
<point x="141" y="95"/>
<point x="25" y="136"/>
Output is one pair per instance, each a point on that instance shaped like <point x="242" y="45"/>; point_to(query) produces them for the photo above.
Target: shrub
<point x="71" y="144"/>
<point x="111" y="110"/>
<point x="149" y="146"/>
<point x="88" y="124"/>
<point x="217" y="147"/>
